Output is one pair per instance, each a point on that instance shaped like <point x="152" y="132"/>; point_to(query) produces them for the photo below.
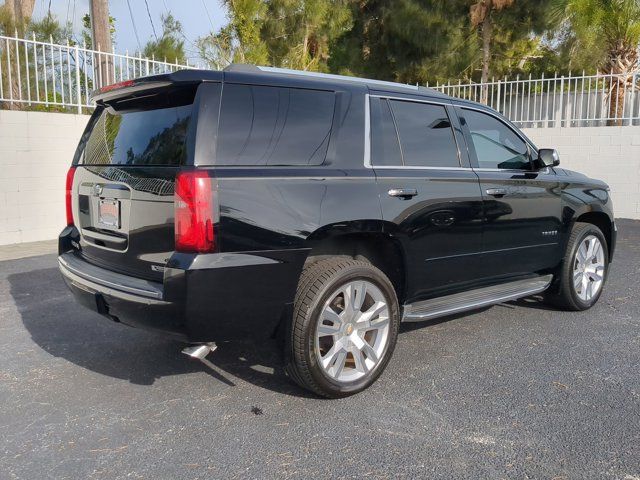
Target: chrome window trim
<point x="367" y="137"/>
<point x="415" y="100"/>
<point x="367" y="132"/>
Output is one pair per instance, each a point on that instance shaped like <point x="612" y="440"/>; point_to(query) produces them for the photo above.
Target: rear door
<point x="430" y="199"/>
<point x="522" y="205"/>
<point x="124" y="180"/>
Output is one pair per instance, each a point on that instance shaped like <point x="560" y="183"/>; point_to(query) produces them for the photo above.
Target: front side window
<point x="273" y="125"/>
<point x="495" y="144"/>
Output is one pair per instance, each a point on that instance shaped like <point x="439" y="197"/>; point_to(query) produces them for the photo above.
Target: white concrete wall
<point x="36" y="149"/>
<point x="611" y="154"/>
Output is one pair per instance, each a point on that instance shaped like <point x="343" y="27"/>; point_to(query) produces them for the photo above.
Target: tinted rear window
<point x="142" y="133"/>
<point x="274" y="126"/>
<point x="426" y="136"/>
<point x="384" y="137"/>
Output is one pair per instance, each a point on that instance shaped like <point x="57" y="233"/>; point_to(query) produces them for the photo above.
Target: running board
<point x="481" y="297"/>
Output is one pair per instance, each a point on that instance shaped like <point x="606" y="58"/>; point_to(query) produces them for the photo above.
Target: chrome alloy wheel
<point x="588" y="268"/>
<point x="352" y="333"/>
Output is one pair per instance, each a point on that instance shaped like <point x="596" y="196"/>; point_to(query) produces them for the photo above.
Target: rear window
<point x="274" y="126"/>
<point x="151" y="131"/>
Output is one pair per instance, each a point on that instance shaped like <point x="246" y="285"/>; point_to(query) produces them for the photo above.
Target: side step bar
<point x="481" y="297"/>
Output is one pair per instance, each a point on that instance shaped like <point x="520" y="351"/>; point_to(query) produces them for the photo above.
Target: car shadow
<point x="535" y="301"/>
<point x="64" y="329"/>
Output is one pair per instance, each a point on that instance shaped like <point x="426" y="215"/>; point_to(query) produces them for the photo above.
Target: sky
<point x="195" y="18"/>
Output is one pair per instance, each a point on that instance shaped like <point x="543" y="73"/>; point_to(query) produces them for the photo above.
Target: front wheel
<point x="344" y="327"/>
<point x="584" y="269"/>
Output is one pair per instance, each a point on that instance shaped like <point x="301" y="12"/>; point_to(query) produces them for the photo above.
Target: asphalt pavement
<point x="513" y="391"/>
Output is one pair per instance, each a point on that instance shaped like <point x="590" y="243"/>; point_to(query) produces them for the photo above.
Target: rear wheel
<point x="584" y="270"/>
<point x="344" y="327"/>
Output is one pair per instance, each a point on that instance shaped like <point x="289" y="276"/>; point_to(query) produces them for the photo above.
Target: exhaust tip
<point x="199" y="352"/>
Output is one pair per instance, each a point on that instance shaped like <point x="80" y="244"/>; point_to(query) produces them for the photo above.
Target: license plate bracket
<point x="109" y="213"/>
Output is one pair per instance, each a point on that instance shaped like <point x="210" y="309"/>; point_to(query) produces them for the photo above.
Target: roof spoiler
<point x="133" y="86"/>
<point x="124" y="89"/>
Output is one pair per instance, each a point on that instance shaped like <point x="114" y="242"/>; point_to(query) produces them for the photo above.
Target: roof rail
<point x="240" y="67"/>
<point x="343" y="78"/>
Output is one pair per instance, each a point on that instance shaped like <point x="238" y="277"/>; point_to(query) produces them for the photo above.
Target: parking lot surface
<point x="513" y="391"/>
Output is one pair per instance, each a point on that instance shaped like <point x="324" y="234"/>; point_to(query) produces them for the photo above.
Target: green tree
<point x="407" y="40"/>
<point x="284" y="33"/>
<point x="510" y="34"/>
<point x="218" y="49"/>
<point x="299" y="34"/>
<point x="611" y="30"/>
<point x="239" y="41"/>
<point x="170" y="46"/>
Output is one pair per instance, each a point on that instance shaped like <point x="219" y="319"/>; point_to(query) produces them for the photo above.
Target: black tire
<point x="565" y="295"/>
<point x="318" y="281"/>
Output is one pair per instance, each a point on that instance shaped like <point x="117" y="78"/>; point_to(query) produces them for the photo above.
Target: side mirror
<point x="548" y="157"/>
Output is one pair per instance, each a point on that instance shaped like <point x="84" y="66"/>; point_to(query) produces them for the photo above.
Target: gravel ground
<point x="513" y="391"/>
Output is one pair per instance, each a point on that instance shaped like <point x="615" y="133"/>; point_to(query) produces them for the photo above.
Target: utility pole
<point x="101" y="36"/>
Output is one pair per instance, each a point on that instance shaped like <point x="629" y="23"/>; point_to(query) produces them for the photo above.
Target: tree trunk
<point x="20" y="12"/>
<point x="486" y="54"/>
<point x="616" y="102"/>
<point x="100" y="30"/>
<point x="305" y="47"/>
<point x="623" y="61"/>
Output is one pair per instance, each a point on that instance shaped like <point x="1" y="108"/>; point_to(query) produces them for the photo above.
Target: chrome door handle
<point x="404" y="193"/>
<point x="496" y="192"/>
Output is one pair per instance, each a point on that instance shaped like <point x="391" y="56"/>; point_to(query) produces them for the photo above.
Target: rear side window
<point x="149" y="132"/>
<point x="274" y="125"/>
<point x="385" y="146"/>
<point x="495" y="144"/>
<point x="426" y="136"/>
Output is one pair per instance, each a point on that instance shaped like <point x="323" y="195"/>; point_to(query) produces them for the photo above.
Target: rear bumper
<point x="202" y="298"/>
<point x="132" y="301"/>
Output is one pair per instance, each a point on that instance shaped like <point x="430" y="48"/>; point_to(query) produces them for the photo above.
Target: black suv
<point x="321" y="210"/>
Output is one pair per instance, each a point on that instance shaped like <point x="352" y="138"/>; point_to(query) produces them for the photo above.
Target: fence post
<point x="78" y="89"/>
<point x="632" y="100"/>
<point x="561" y="110"/>
<point x="498" y="95"/>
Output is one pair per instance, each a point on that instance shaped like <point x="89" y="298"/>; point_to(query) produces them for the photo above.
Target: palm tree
<point x="613" y="27"/>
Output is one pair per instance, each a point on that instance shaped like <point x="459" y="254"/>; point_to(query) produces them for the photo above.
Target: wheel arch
<point x="379" y="248"/>
<point x="603" y="222"/>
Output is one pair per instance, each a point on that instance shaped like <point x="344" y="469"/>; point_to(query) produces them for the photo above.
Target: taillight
<point x="194" y="212"/>
<point x="69" y="195"/>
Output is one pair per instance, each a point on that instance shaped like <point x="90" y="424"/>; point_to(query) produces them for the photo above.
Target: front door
<point x="522" y="205"/>
<point x="430" y="201"/>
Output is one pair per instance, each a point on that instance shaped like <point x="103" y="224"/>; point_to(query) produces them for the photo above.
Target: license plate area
<point x="109" y="213"/>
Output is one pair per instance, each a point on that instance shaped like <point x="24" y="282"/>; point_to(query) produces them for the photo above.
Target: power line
<point x="208" y="16"/>
<point x="151" y="20"/>
<point x="133" y="22"/>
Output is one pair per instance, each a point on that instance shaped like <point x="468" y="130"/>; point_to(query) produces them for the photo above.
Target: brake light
<point x="69" y="195"/>
<point x="115" y="86"/>
<point x="194" y="212"/>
